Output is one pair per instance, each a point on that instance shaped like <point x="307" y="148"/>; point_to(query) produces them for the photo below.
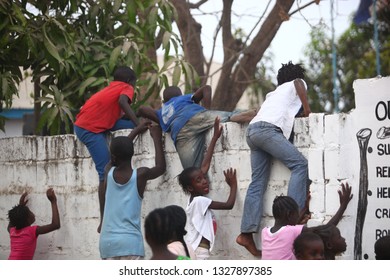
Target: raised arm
<point x="203" y="94"/>
<point x="145" y="173"/>
<point x="302" y="93"/>
<point x="231" y="180"/>
<point x="345" y="197"/>
<point x="55" y="217"/>
<point x="149" y="113"/>
<point x="126" y="108"/>
<point x="210" y="150"/>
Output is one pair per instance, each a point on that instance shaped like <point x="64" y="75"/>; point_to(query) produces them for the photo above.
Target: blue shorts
<point x="97" y="144"/>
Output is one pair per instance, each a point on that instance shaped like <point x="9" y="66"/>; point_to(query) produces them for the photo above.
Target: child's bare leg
<point x="244" y="117"/>
<point x="101" y="194"/>
<point x="246" y="240"/>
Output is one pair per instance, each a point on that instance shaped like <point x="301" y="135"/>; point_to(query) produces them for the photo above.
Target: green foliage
<point x="72" y="48"/>
<point x="355" y="60"/>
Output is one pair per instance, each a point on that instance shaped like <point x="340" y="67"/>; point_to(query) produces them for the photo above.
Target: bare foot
<point x="246" y="240"/>
<point x="244" y="117"/>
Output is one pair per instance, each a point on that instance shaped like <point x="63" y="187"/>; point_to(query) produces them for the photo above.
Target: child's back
<point x="121" y="229"/>
<point x="277" y="240"/>
<point x="121" y="236"/>
<point x="23" y="235"/>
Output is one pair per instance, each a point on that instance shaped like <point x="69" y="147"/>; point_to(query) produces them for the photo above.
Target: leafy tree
<point x="355" y="60"/>
<point x="72" y="47"/>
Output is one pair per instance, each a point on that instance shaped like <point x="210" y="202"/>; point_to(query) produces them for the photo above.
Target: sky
<point x="293" y="35"/>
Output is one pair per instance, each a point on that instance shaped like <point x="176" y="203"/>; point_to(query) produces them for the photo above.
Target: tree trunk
<point x="190" y="32"/>
<point x="239" y="65"/>
<point x="154" y="99"/>
<point x="232" y="85"/>
<point x="37" y="106"/>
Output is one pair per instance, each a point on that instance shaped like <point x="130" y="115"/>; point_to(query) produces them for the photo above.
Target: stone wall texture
<point x="62" y="162"/>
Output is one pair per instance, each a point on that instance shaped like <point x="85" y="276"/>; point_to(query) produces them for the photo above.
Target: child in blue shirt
<point x="188" y="122"/>
<point x="121" y="236"/>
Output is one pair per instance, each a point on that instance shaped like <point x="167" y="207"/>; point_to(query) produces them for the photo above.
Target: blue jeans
<point x="97" y="144"/>
<point x="266" y="141"/>
<point x="190" y="141"/>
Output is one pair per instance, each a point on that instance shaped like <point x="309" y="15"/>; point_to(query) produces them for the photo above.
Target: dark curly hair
<point x="289" y="72"/>
<point x="302" y="239"/>
<point x="18" y="216"/>
<point x="327" y="233"/>
<point x="283" y="206"/>
<point x="179" y="218"/>
<point x="125" y="74"/>
<point x="122" y="148"/>
<point x="185" y="178"/>
<point x="159" y="227"/>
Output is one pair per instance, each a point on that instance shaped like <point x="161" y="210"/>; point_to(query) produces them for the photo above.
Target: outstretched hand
<point x="345" y="194"/>
<point x="51" y="195"/>
<point x="218" y="128"/>
<point x="23" y="200"/>
<point x="230" y="177"/>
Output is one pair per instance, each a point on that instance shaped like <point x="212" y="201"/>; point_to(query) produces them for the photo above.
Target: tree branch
<point x="304" y="6"/>
<point x="196" y="5"/>
<point x="190" y="32"/>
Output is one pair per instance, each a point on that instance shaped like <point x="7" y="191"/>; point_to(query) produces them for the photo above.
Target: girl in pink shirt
<point x="23" y="235"/>
<point x="277" y="241"/>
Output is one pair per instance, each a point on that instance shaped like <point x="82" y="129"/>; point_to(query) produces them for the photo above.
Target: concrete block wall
<point x="62" y="162"/>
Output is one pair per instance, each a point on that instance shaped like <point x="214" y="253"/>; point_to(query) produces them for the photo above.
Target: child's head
<point x="171" y="92"/>
<point x="20" y="216"/>
<point x="382" y="248"/>
<point x="125" y="74"/>
<point x="285" y="208"/>
<point x="158" y="227"/>
<point x="334" y="243"/>
<point x="289" y="72"/>
<point x="193" y="181"/>
<point x="179" y="219"/>
<point x="308" y="246"/>
<point x="121" y="149"/>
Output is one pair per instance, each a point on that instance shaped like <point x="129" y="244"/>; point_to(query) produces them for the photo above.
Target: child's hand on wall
<point x="230" y="177"/>
<point x="218" y="128"/>
<point x="345" y="194"/>
<point x="51" y="195"/>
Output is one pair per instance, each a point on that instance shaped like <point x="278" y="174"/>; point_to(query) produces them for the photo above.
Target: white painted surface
<point x="62" y="162"/>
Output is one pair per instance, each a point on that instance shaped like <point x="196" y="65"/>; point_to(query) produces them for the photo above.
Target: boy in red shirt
<point x="103" y="113"/>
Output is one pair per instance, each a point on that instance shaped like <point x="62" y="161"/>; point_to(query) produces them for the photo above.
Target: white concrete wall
<point x="62" y="162"/>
